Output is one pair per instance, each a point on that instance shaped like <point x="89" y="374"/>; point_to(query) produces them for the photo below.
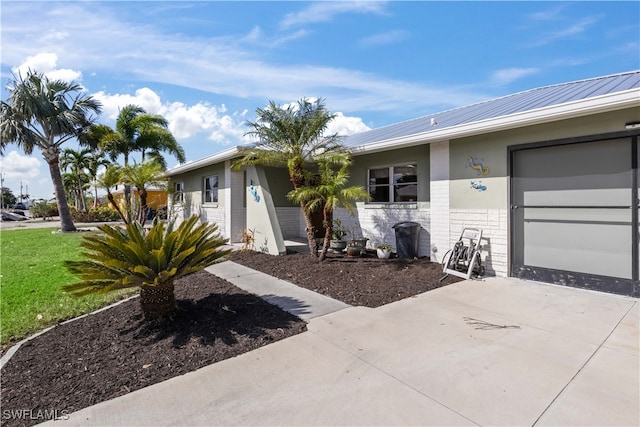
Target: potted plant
<point x="354" y="249"/>
<point x="339" y="231"/>
<point x="383" y="250"/>
<point x="357" y="239"/>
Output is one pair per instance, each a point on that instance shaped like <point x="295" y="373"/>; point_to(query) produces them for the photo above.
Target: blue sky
<point x="206" y="66"/>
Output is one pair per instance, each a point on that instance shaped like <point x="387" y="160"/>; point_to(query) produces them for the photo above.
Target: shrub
<point x="99" y="214"/>
<point x="44" y="209"/>
<point x="132" y="256"/>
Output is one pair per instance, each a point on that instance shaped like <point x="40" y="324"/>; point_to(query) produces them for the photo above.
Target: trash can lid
<point x="406" y="224"/>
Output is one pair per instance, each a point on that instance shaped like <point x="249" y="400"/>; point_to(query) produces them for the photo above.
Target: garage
<point x="574" y="213"/>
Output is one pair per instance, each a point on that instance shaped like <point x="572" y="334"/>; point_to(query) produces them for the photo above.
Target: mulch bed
<point x="113" y="352"/>
<point x="365" y="281"/>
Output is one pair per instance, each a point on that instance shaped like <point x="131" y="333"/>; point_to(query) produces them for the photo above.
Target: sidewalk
<point x="497" y="352"/>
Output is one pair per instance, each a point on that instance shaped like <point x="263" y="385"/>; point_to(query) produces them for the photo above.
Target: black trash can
<point x="407" y="240"/>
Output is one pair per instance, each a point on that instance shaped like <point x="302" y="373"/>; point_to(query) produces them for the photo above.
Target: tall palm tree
<point x="46" y="113"/>
<point x="292" y="136"/>
<point x="330" y="192"/>
<point x="137" y="131"/>
<point x="77" y="162"/>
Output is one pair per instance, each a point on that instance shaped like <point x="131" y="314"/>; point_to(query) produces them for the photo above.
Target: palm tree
<point x="109" y="179"/>
<point x="77" y="162"/>
<point x="120" y="258"/>
<point x="143" y="176"/>
<point x="292" y="136"/>
<point x="330" y="192"/>
<point x="46" y="113"/>
<point x="137" y="131"/>
<point x="96" y="160"/>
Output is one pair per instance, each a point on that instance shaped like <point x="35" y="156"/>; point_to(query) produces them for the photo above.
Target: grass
<point x="32" y="273"/>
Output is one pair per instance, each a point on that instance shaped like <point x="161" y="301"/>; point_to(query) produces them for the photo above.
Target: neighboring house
<point x="156" y="198"/>
<point x="549" y="174"/>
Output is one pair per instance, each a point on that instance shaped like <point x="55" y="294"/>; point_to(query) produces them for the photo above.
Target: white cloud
<point x="144" y="97"/>
<point x="15" y="165"/>
<point x="325" y="11"/>
<point x="97" y="40"/>
<point x="572" y="30"/>
<point x="185" y="121"/>
<point x="26" y="172"/>
<point x="46" y="62"/>
<point x="509" y="75"/>
<point x="346" y="125"/>
<point x="386" y="38"/>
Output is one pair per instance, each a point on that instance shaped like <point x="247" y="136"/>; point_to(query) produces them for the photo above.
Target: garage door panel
<point x="594" y="243"/>
<point x="572" y="211"/>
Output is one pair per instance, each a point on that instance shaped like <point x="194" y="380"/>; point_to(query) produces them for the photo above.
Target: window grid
<point x="210" y="193"/>
<point x="393" y="184"/>
<point x="178" y="196"/>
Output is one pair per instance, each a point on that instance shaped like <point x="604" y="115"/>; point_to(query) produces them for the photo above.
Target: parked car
<point x="20" y="206"/>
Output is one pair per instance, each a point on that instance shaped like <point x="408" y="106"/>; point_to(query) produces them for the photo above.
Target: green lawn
<point x="32" y="273"/>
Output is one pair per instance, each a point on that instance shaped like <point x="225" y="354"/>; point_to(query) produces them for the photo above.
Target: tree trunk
<point x="142" y="214"/>
<point x="66" y="221"/>
<point x="328" y="231"/>
<point x="157" y="302"/>
<point x="311" y="237"/>
<point x="113" y="202"/>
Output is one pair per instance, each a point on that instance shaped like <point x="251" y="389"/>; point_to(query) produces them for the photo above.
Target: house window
<point x="210" y="192"/>
<point x="178" y="195"/>
<point x="393" y="184"/>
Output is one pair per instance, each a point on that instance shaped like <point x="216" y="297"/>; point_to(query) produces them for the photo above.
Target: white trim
<point x="206" y="161"/>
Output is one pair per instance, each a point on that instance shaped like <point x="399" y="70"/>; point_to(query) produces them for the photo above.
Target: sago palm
<point x="151" y="260"/>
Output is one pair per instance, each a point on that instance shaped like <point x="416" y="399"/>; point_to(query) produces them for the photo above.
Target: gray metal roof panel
<point x="516" y="103"/>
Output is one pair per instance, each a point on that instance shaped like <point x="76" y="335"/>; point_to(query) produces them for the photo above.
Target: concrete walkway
<point x="302" y="302"/>
<point x="496" y="352"/>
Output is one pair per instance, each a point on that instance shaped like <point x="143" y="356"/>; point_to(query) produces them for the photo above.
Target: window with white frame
<point x="393" y="184"/>
<point x="178" y="192"/>
<point x="210" y="193"/>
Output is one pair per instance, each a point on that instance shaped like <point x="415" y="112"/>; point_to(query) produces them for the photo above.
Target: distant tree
<point x="143" y="176"/>
<point x="8" y="198"/>
<point x="137" y="131"/>
<point x="293" y="137"/>
<point x="109" y="179"/>
<point x="329" y="192"/>
<point x="96" y="161"/>
<point x="46" y="113"/>
<point x="77" y="163"/>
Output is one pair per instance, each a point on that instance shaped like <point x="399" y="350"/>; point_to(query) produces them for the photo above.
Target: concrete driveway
<point x="495" y="352"/>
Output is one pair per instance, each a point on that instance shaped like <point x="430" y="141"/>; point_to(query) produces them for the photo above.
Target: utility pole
<point x="2" y="190"/>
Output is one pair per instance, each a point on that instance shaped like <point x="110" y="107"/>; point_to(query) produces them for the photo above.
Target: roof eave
<point x="599" y="104"/>
<point x="222" y="156"/>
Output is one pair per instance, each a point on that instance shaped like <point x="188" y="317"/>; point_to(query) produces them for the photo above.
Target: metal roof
<point x="529" y="100"/>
